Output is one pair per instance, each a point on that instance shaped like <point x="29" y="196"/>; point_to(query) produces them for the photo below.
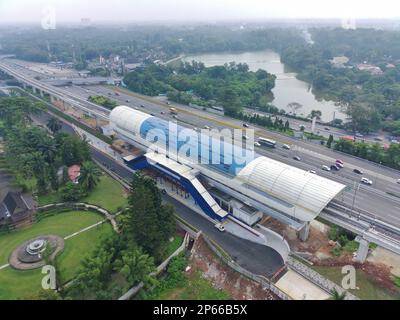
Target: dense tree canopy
<point x="232" y="85"/>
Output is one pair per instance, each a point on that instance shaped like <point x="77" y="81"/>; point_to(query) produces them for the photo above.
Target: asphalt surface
<point x="382" y="199"/>
<point x="259" y="259"/>
<point x="377" y="199"/>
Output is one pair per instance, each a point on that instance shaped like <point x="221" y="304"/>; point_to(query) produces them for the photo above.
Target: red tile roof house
<point x="74" y="172"/>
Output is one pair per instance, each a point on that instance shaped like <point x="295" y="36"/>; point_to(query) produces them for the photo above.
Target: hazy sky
<point x="190" y="10"/>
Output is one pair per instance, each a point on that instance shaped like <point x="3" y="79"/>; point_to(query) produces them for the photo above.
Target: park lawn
<point x="61" y="224"/>
<point x="17" y="284"/>
<point x="108" y="194"/>
<point x="195" y="288"/>
<point x="368" y="289"/>
<point x="79" y="247"/>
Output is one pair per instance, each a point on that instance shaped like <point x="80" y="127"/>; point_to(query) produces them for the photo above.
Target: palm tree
<point x="90" y="175"/>
<point x="335" y="295"/>
<point x="54" y="125"/>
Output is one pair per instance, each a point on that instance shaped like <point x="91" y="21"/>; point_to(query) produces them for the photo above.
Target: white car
<point x="366" y="181"/>
<point x="338" y="164"/>
<point x="286" y="146"/>
<point x="206" y="127"/>
<point x="326" y="168"/>
<point x="398" y="181"/>
<point x="257" y="144"/>
<point x="312" y="171"/>
<point x="220" y="227"/>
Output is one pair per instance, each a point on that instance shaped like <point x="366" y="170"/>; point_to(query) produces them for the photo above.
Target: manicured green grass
<point x="61" y="224"/>
<point x="19" y="284"/>
<point x="78" y="247"/>
<point x="108" y="194"/>
<point x="368" y="289"/>
<point x="196" y="288"/>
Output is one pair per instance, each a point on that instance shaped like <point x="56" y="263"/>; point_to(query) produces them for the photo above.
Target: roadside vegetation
<point x="103" y="101"/>
<point x="231" y="86"/>
<point x="129" y="258"/>
<point x="177" y="284"/>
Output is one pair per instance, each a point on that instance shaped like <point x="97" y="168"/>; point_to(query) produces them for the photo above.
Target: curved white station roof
<point x="128" y="119"/>
<point x="308" y="192"/>
<point x="290" y="190"/>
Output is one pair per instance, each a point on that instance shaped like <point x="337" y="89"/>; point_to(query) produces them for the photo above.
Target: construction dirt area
<point x="381" y="265"/>
<point x="223" y="277"/>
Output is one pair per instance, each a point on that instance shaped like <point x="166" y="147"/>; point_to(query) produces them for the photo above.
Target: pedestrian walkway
<point x="299" y="288"/>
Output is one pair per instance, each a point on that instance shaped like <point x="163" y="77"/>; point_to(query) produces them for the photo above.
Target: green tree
<point x="136" y="266"/>
<point x="72" y="192"/>
<point x="90" y="176"/>
<point x="329" y="142"/>
<point x="335" y="295"/>
<point x="54" y="124"/>
<point x="146" y="220"/>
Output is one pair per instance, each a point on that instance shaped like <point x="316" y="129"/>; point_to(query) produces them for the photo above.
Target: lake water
<point x="287" y="89"/>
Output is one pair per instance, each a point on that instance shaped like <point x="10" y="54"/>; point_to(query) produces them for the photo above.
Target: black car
<point x="358" y="171"/>
<point x="245" y="125"/>
<point x="335" y="167"/>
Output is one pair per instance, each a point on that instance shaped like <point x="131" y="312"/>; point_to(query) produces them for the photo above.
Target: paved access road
<point x="376" y="199"/>
<point x="254" y="257"/>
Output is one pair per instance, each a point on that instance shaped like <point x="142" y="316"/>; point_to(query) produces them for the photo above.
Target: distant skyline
<point x="28" y="11"/>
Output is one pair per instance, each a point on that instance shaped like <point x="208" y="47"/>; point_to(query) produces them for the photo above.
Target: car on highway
<point x="339" y="165"/>
<point x="339" y="161"/>
<point x="297" y="158"/>
<point x="244" y="137"/>
<point x="286" y="146"/>
<point x="398" y="181"/>
<point x="312" y="171"/>
<point x="257" y="144"/>
<point x="335" y="167"/>
<point x="168" y="103"/>
<point x="220" y="227"/>
<point x="326" y="168"/>
<point x="366" y="181"/>
<point x="359" y="135"/>
<point x="206" y="127"/>
<point x="245" y="125"/>
<point x="142" y="105"/>
<point x="358" y="171"/>
<point x="162" y="112"/>
<point x="327" y="129"/>
<point x="378" y="139"/>
<point x="126" y="100"/>
<point x="175" y="116"/>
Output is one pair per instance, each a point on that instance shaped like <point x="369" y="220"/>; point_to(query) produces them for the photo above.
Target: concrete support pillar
<point x="52" y="99"/>
<point x="41" y="93"/>
<point x="24" y="85"/>
<point x="34" y="89"/>
<point x="362" y="251"/>
<point x="304" y="232"/>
